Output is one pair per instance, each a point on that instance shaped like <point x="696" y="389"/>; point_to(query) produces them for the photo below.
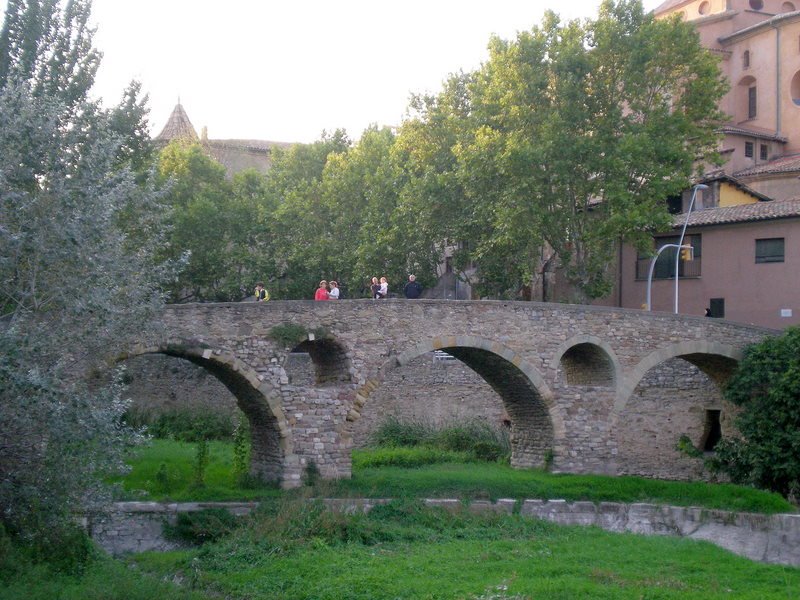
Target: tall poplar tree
<point x="73" y="286"/>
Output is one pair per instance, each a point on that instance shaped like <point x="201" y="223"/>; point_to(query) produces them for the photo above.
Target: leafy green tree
<point x="72" y="288"/>
<point x="575" y="134"/>
<point x="766" y="386"/>
<point x="198" y="194"/>
<point x="300" y="243"/>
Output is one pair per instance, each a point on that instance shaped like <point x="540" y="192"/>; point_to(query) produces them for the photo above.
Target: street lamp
<point x="699" y="186"/>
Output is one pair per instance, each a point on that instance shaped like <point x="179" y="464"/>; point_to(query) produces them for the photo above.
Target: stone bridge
<point x="570" y="377"/>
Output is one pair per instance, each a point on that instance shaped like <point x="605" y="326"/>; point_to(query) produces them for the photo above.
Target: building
<point x="744" y="263"/>
<point x="758" y="42"/>
<point x="234" y="155"/>
<point x="745" y="228"/>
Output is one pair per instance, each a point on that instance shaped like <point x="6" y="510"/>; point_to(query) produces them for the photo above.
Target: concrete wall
<point x="137" y="526"/>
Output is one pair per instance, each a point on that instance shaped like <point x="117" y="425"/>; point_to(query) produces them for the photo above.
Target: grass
<point x="102" y="579"/>
<point x="492" y="481"/>
<point x="441" y="479"/>
<point x="406" y="551"/>
<point x="294" y="550"/>
<point x="176" y="480"/>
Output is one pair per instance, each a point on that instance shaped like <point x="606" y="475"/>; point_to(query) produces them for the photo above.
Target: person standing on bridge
<point x="262" y="295"/>
<point x="334" y="293"/>
<point x="322" y="291"/>
<point x="413" y="289"/>
<point x="383" y="291"/>
<point x="375" y="289"/>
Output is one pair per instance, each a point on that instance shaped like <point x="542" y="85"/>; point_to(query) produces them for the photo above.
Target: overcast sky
<point x="284" y="71"/>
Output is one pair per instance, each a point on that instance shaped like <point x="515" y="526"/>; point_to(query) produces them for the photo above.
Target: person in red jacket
<point x="322" y="291"/>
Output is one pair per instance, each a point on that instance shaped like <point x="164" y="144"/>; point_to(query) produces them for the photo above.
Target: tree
<point x="198" y="193"/>
<point x="576" y="133"/>
<point x="73" y="289"/>
<point x="766" y="386"/>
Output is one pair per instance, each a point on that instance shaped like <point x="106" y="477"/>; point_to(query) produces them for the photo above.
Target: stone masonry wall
<point x="519" y="345"/>
<point x="137" y="526"/>
<point x="430" y="389"/>
<point x="669" y="402"/>
<point x="158" y="383"/>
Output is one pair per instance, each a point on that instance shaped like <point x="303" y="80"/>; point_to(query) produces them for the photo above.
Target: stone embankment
<point x="137" y="526"/>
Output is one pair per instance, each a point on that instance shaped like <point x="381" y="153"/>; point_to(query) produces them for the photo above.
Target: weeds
<point x="474" y="437"/>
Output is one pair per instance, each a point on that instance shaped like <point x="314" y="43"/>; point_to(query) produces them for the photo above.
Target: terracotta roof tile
<point x="178" y="126"/>
<point x="760" y="211"/>
<point x="784" y="164"/>
<point x="763" y="134"/>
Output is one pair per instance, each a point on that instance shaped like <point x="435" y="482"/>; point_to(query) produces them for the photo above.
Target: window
<point x="756" y="4"/>
<point x="665" y="265"/>
<point x="703" y="9"/>
<point x="787" y="7"/>
<point x="769" y="250"/>
<point x="675" y="204"/>
<point x="752" y="98"/>
<point x="763" y="152"/>
<point x="748" y="149"/>
<point x="746" y="59"/>
<point x="794" y="88"/>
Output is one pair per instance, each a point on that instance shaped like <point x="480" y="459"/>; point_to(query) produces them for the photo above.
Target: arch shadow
<point x="329" y="358"/>
<point x="271" y="440"/>
<point x="588" y="361"/>
<point x="535" y="422"/>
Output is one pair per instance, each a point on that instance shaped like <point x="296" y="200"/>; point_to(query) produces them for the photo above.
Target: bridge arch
<point x="329" y="358"/>
<point x="271" y="440"/>
<point x="535" y="422"/>
<point x="673" y="394"/>
<point x="716" y="360"/>
<point x="587" y="360"/>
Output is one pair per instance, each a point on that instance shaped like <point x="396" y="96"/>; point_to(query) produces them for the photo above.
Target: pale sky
<point x="284" y="71"/>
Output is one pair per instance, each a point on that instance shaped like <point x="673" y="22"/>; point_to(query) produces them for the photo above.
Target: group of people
<point x="379" y="290"/>
<point x="327" y="291"/>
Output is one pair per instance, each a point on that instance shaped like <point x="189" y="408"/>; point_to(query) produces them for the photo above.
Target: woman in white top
<point x="384" y="291"/>
<point x="333" y="294"/>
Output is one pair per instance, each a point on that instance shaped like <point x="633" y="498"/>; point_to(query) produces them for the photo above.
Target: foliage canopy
<point x="767" y="388"/>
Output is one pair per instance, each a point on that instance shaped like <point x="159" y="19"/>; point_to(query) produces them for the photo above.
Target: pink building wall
<point x="753" y="293"/>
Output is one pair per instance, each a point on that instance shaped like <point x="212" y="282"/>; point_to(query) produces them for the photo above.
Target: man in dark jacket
<point x="413" y="289"/>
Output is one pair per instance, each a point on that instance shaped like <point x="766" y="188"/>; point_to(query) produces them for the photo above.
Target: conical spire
<point x="178" y="127"/>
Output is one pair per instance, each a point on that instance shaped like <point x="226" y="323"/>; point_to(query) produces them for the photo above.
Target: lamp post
<point x="653" y="266"/>
<point x="699" y="186"/>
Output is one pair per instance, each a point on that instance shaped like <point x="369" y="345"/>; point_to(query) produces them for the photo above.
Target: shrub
<point x="288" y="335"/>
<point x="767" y="387"/>
<point x="183" y="425"/>
<point x="406" y="457"/>
<point x="241" y="452"/>
<point x="200" y="464"/>
<point x="472" y="436"/>
<point x="202" y="526"/>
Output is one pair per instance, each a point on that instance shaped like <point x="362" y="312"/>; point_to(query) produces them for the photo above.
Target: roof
<point x="178" y="126"/>
<point x="785" y="164"/>
<point x="668" y="5"/>
<point x="773" y="21"/>
<point x="744" y="213"/>
<point x="253" y="145"/>
<point x="756" y="132"/>
<point x="724" y="177"/>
